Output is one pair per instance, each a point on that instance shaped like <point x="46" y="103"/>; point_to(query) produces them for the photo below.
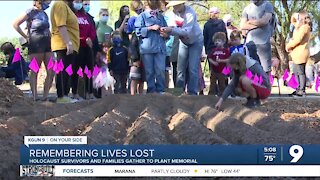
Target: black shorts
<point x="39" y="44"/>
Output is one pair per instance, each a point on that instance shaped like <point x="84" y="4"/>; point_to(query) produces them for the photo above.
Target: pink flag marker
<point x="226" y="70"/>
<point x="293" y="83"/>
<point x="86" y="70"/>
<point x="79" y="72"/>
<point x="89" y="75"/>
<point x="16" y="56"/>
<point x="50" y="64"/>
<point x="260" y="80"/>
<point x="34" y="65"/>
<point x="285" y="75"/>
<point x="271" y="79"/>
<point x="69" y="70"/>
<point x="56" y="67"/>
<point x="249" y="74"/>
<point x="317" y="83"/>
<point x="256" y="79"/>
<point x="61" y="65"/>
<point x="96" y="71"/>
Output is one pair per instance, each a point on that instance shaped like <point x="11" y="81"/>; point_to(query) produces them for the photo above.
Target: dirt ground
<point x="154" y="119"/>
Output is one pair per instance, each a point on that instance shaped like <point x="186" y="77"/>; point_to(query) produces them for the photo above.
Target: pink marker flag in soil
<point x="69" y="70"/>
<point x="86" y="70"/>
<point x="226" y="70"/>
<point x="260" y="80"/>
<point x="96" y="71"/>
<point x="61" y="65"/>
<point x="255" y="79"/>
<point x="56" y="67"/>
<point x="79" y="72"/>
<point x="16" y="56"/>
<point x="271" y="79"/>
<point x="285" y="75"/>
<point x="34" y="65"/>
<point x="293" y="83"/>
<point x="50" y="64"/>
<point x="317" y="83"/>
<point x="249" y="74"/>
<point x="89" y="74"/>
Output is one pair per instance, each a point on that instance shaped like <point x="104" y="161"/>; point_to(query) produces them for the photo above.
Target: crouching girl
<point x="243" y="85"/>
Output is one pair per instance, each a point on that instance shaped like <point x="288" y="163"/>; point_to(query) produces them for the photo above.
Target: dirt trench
<point x="154" y="119"/>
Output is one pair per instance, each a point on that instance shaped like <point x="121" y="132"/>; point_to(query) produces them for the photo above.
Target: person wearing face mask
<point x="256" y="25"/>
<point x="84" y="58"/>
<point x="118" y="63"/>
<point x="299" y="50"/>
<point x="122" y="24"/>
<point x="102" y="26"/>
<point x="152" y="45"/>
<point x="227" y="19"/>
<point x="65" y="43"/>
<point x="16" y="70"/>
<point x="38" y="37"/>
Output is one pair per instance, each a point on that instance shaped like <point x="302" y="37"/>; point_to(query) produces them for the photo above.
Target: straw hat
<point x="174" y="3"/>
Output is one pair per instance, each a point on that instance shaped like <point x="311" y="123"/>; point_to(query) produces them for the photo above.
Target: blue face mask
<point x="104" y="18"/>
<point x="86" y="8"/>
<point x="45" y="5"/>
<point x="77" y="6"/>
<point x="117" y="41"/>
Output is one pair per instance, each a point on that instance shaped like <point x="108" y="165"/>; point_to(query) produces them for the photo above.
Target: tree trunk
<point x="282" y="54"/>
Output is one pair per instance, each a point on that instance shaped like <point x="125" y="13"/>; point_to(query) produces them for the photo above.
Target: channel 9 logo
<point x="36" y="170"/>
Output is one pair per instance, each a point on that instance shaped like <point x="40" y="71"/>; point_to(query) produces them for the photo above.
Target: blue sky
<point x="10" y="10"/>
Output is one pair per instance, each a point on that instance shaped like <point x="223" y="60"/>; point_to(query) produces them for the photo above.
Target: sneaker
<point x="300" y="94"/>
<point x="293" y="94"/>
<point x="66" y="100"/>
<point x="251" y="103"/>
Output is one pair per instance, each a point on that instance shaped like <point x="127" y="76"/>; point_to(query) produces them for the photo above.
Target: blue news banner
<point x="170" y="155"/>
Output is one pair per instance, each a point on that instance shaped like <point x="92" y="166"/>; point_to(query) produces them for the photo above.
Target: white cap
<point x="227" y="18"/>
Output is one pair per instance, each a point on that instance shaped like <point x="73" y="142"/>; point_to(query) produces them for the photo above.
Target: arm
<point x="187" y="25"/>
<point x="262" y="21"/>
<point x="266" y="18"/>
<point x="303" y="30"/>
<point x="60" y="17"/>
<point x="245" y="25"/>
<point x="121" y="27"/>
<point x="16" y="25"/>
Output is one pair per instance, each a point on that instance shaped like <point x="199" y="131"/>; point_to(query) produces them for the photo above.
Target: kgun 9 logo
<point x="296" y="152"/>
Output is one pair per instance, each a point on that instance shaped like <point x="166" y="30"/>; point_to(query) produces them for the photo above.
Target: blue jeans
<point x="155" y="66"/>
<point x="188" y="60"/>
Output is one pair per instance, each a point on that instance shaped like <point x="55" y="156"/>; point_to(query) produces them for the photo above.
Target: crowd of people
<point x="144" y="46"/>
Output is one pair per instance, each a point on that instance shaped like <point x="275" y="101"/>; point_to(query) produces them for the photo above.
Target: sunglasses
<point x="104" y="15"/>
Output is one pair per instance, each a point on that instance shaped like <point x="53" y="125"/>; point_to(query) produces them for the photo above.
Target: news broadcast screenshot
<point x="159" y="89"/>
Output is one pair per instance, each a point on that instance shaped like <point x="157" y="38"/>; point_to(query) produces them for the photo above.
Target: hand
<point x="164" y="34"/>
<point x="126" y="18"/>
<point x="218" y="105"/>
<point x="166" y="29"/>
<point x="89" y="42"/>
<point x="69" y="49"/>
<point x="154" y="27"/>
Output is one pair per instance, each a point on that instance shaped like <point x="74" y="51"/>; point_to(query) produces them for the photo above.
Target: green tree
<point x="114" y="8"/>
<point x="284" y="10"/>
